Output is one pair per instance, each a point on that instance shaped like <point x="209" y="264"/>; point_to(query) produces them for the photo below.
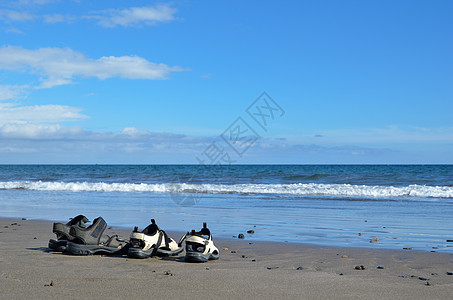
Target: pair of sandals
<point x="76" y="238"/>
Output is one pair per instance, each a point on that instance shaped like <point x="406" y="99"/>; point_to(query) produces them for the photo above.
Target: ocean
<point x="378" y="206"/>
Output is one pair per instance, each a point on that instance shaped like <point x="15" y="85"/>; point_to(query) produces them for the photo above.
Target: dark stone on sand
<point x="341" y="274"/>
<point x="12" y="224"/>
<point x="271" y="268"/>
<point x="423" y="278"/>
<point x="251" y="231"/>
<point x="207" y="268"/>
<point x="240" y="236"/>
<point x="50" y="284"/>
<point x="449" y="241"/>
<point x="253" y="260"/>
<point x="299" y="268"/>
<point x="234" y="251"/>
<point x="428" y="283"/>
<point x="380" y="267"/>
<point x="24" y="219"/>
<point x="243" y="256"/>
<point x="35" y="238"/>
<point x="168" y="273"/>
<point x="359" y="267"/>
<point x="407" y="248"/>
<point x="449" y="273"/>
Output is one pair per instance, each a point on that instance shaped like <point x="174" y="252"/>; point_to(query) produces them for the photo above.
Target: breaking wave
<point x="302" y="189"/>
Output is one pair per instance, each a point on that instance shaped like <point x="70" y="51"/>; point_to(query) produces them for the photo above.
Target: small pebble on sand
<point x="240" y="236"/>
<point x="50" y="284"/>
<point x="380" y="267"/>
<point x="359" y="267"/>
<point x="251" y="231"/>
<point x="423" y="278"/>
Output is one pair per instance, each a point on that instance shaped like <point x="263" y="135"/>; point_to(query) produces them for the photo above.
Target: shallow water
<point x="402" y="206"/>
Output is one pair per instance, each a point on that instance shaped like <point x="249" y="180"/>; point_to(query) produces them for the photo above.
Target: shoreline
<point x="232" y="237"/>
<point x="248" y="269"/>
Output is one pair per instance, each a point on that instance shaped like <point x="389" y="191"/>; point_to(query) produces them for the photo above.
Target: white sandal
<point x="200" y="247"/>
<point x="152" y="241"/>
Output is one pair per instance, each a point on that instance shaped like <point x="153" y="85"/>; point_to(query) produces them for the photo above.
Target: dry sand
<point x="260" y="270"/>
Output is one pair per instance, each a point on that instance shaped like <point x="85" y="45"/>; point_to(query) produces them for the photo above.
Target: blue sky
<point x="183" y="81"/>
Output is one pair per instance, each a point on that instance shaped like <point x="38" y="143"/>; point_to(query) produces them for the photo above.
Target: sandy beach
<point x="245" y="270"/>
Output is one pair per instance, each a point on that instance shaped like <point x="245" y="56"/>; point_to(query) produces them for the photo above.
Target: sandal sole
<point x="139" y="253"/>
<point x="78" y="249"/>
<point x="56" y="245"/>
<point x="199" y="257"/>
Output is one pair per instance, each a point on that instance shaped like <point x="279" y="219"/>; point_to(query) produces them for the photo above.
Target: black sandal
<point x="90" y="240"/>
<point x="62" y="232"/>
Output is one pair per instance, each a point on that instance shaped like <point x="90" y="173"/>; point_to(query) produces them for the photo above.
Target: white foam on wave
<point x="339" y="190"/>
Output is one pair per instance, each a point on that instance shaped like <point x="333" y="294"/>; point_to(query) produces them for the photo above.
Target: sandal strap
<point x="181" y="240"/>
<point x="114" y="241"/>
<point x="92" y="234"/>
<point x="79" y="219"/>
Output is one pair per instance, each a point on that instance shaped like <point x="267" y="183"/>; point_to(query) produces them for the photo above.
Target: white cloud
<point x="8" y="15"/>
<point x="14" y="30"/>
<point x="19" y="11"/>
<point x="13" y="115"/>
<point x="57" y="18"/>
<point x="58" y="66"/>
<point x="135" y="16"/>
<point x="8" y="92"/>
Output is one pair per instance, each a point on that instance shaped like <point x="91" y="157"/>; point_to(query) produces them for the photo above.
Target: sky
<point x="223" y="82"/>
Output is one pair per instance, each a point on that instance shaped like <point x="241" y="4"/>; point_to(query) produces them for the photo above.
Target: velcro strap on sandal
<point x="197" y="239"/>
<point x="98" y="229"/>
<point x="58" y="228"/>
<point x="137" y="235"/>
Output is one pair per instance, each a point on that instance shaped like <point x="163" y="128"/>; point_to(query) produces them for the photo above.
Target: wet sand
<point x="247" y="270"/>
